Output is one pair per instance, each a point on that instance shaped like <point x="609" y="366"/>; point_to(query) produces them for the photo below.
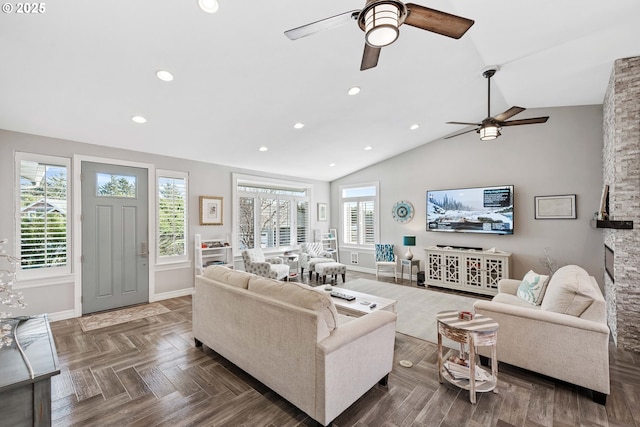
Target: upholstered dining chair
<point x="386" y="259"/>
<point x="256" y="263"/>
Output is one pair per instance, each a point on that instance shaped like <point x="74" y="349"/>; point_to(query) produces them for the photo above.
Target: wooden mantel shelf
<point x="606" y="223"/>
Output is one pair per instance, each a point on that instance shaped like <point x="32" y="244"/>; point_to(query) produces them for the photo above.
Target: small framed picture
<point x="210" y="210"/>
<point x="322" y="211"/>
<point x="555" y="207"/>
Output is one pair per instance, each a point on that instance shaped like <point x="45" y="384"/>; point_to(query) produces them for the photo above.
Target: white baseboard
<point x="61" y="315"/>
<point x="173" y="294"/>
<point x="360" y="269"/>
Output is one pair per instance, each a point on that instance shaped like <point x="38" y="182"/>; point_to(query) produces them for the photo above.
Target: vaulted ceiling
<point x="81" y="69"/>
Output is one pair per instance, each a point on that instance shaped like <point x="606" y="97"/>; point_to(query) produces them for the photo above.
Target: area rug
<point x="416" y="307"/>
<point x="110" y="318"/>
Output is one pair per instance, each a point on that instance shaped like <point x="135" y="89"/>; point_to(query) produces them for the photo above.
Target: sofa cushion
<point x="569" y="291"/>
<point x="239" y="279"/>
<point x="297" y="294"/>
<point x="532" y="287"/>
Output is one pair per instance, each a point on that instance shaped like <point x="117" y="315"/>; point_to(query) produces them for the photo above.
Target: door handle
<point x="144" y="250"/>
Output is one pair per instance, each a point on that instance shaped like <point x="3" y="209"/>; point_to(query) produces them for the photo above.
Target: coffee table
<point x="357" y="307"/>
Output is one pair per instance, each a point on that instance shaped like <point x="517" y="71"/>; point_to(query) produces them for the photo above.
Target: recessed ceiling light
<point x="368" y="147"/>
<point x="414" y="126"/>
<point x="298" y="125"/>
<point x="139" y="119"/>
<point x="263" y="149"/>
<point x="354" y="90"/>
<point x="331" y="165"/>
<point x="209" y="6"/>
<point x="164" y="75"/>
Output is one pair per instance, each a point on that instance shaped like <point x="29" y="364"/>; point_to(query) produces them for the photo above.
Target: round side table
<point x="480" y="331"/>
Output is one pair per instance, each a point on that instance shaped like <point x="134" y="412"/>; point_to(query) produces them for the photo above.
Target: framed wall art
<point x="555" y="207"/>
<point x="210" y="210"/>
<point x="322" y="211"/>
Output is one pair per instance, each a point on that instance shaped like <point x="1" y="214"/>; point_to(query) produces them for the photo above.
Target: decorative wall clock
<point x="402" y="211"/>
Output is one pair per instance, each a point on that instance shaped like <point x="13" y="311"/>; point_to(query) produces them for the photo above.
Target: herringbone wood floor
<point x="148" y="372"/>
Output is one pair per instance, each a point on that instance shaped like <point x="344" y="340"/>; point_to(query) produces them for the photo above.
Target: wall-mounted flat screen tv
<point x="471" y="210"/>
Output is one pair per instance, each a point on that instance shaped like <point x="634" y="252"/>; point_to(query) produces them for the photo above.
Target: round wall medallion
<point x="402" y="211"/>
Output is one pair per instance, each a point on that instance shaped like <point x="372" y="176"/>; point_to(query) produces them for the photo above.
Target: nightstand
<point x="409" y="263"/>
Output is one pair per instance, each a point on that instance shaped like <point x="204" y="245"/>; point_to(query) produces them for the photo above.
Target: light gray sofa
<point x="291" y="338"/>
<point x="566" y="337"/>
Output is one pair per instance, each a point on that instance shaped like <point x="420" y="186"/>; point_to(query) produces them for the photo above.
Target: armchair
<point x="311" y="254"/>
<point x="256" y="263"/>
<point x="385" y="258"/>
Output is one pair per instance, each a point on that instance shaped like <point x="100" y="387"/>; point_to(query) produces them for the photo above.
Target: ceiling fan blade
<point x="464" y="123"/>
<point x="525" y="121"/>
<point x="508" y="114"/>
<point x="461" y="133"/>
<point x="323" y="24"/>
<point x="436" y="21"/>
<point x="369" y="57"/>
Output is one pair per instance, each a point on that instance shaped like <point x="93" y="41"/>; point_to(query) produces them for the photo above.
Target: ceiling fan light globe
<point x="381" y="25"/>
<point x="488" y="133"/>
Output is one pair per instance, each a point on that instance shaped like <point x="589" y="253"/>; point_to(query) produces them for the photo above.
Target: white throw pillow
<point x="570" y="291"/>
<point x="532" y="287"/>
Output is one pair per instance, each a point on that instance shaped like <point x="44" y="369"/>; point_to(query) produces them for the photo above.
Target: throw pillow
<point x="532" y="287"/>
<point x="312" y="254"/>
<point x="570" y="291"/>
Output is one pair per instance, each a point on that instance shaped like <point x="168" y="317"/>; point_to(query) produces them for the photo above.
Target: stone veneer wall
<point x="621" y="171"/>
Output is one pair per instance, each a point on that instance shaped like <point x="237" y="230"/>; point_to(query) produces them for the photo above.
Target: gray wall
<point x="204" y="179"/>
<point x="563" y="156"/>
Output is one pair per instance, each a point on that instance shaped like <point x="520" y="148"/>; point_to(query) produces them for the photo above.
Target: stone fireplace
<point x="621" y="171"/>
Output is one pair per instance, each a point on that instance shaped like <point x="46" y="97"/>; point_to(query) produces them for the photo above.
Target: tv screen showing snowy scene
<point x="471" y="210"/>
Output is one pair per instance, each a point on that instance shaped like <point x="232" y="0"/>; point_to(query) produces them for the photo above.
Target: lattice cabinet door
<point x="452" y="269"/>
<point x="434" y="267"/>
<point x="495" y="268"/>
<point x="474" y="271"/>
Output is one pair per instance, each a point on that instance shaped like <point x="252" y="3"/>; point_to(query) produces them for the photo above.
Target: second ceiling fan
<point x="380" y="20"/>
<point x="490" y="127"/>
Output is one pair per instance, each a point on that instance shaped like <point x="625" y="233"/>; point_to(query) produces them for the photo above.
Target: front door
<point x="115" y="253"/>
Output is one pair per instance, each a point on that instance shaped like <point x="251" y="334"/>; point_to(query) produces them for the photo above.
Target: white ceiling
<point x="81" y="69"/>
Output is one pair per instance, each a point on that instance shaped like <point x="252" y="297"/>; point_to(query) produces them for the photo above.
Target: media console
<point x="468" y="270"/>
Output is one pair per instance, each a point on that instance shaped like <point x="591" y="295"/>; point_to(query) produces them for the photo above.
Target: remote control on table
<point x="372" y="306"/>
<point x="343" y="296"/>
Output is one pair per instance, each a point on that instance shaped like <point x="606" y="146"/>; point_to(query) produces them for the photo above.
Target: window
<point x="359" y="214"/>
<point x="272" y="214"/>
<point x="42" y="211"/>
<point x="172" y="216"/>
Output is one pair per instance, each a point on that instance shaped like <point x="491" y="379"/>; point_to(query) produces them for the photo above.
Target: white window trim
<point x="37" y="274"/>
<point x="259" y="180"/>
<point x="376" y="218"/>
<point x="173" y="259"/>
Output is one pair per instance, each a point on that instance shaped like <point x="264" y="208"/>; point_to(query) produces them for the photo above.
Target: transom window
<point x="109" y="185"/>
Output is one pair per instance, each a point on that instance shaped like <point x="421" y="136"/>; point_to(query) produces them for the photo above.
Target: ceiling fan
<point x="380" y="19"/>
<point x="490" y="127"/>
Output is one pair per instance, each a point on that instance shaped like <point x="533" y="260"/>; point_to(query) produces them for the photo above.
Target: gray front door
<point x="114" y="237"/>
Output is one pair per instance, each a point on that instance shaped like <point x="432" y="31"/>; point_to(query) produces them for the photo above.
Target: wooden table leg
<point x="439" y="357"/>
<point x="472" y="369"/>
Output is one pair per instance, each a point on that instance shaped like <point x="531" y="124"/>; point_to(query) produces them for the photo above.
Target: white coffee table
<point x="357" y="307"/>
